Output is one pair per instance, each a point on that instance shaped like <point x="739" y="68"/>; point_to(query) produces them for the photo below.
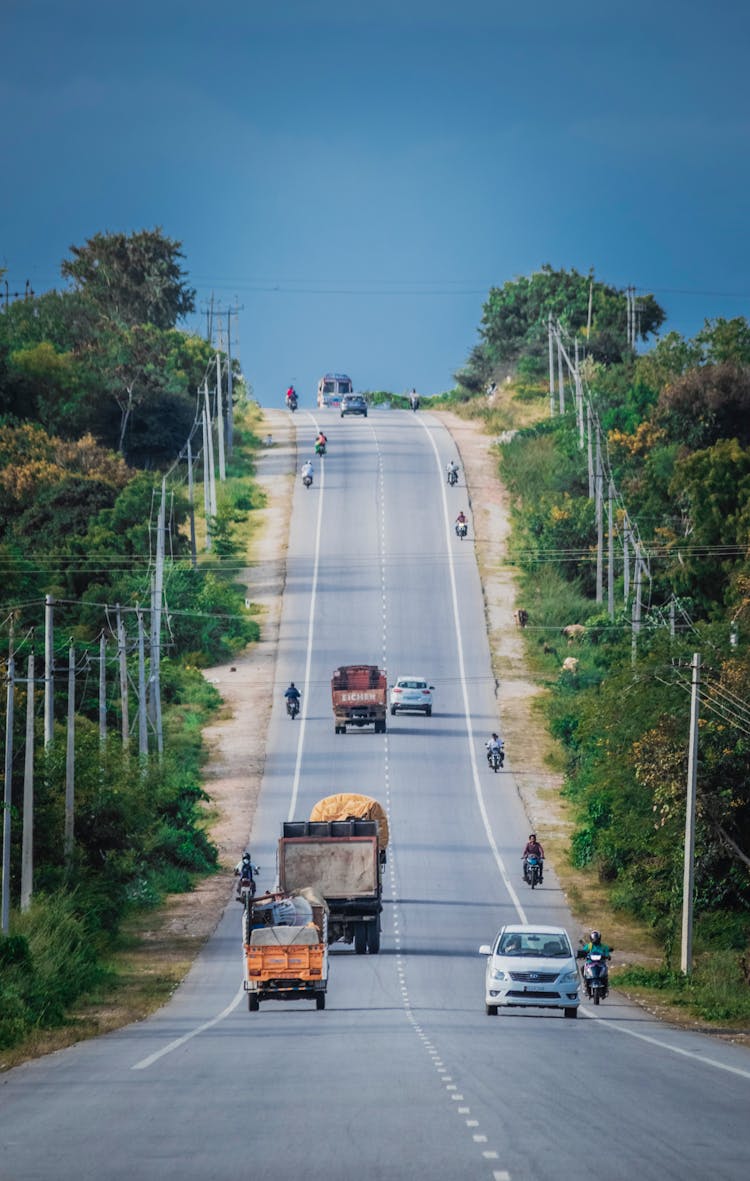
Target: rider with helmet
<point x="292" y="695"/>
<point x="595" y="946"/>
<point x="495" y="744"/>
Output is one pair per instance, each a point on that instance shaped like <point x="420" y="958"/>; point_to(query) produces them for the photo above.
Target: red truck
<point x="358" y="695"/>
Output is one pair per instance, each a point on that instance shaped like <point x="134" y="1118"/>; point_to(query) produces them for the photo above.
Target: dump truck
<point x="285" y="939"/>
<point x="358" y="696"/>
<point x="340" y="851"/>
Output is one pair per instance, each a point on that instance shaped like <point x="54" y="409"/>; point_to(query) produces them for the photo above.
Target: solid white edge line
<point x="464" y="689"/>
<point x="645" y="1037"/>
<point x="180" y="1041"/>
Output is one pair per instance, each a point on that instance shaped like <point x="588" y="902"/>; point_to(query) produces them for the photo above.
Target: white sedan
<point x="531" y="967"/>
<point x="411" y="694"/>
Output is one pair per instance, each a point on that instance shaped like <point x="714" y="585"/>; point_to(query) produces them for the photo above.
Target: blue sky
<point x="358" y="176"/>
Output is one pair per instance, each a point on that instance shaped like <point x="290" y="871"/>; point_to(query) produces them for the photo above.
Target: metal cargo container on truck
<point x="342" y="861"/>
<point x="358" y="697"/>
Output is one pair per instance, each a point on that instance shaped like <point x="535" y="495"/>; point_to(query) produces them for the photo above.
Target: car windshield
<point x="413" y="684"/>
<point x="533" y="943"/>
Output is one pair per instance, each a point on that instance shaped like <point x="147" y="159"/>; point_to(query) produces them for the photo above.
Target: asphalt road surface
<point x="403" y="1075"/>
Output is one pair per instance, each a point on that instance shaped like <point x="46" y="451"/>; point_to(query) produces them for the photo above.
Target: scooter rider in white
<point x="307" y="473"/>
<point x="495" y="743"/>
<point x="452" y="471"/>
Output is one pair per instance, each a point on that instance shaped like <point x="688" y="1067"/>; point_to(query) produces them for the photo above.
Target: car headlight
<point x="498" y="974"/>
<point x="568" y="978"/>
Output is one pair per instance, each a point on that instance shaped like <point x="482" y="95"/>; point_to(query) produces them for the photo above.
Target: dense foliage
<point x="513" y="331"/>
<point x="98" y="395"/>
<point x="678" y="444"/>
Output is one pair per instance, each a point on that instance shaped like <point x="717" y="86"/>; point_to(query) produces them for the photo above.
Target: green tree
<point x="132" y="279"/>
<point x="515" y="316"/>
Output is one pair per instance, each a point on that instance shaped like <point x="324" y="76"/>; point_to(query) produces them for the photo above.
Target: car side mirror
<point x="485" y="949"/>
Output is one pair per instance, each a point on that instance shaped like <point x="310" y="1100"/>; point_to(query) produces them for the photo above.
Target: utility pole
<point x="560" y="382"/>
<point x="191" y="504"/>
<point x="70" y="760"/>
<point x="27" y="837"/>
<point x="220" y="420"/>
<point x="49" y="670"/>
<point x="579" y="401"/>
<point x="590" y="451"/>
<point x="636" y="614"/>
<point x="123" y="666"/>
<point x="686" y="949"/>
<point x="8" y="792"/>
<point x="599" y="518"/>
<point x="551" y="368"/>
<point x="591" y="306"/>
<point x="230" y="391"/>
<point x="207" y="472"/>
<point x="610" y="553"/>
<point x="158" y="594"/>
<point x="102" y="689"/>
<point x="625" y="559"/>
<point x="142" y="723"/>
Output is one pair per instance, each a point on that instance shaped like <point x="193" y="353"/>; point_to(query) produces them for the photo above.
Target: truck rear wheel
<point x="320" y="1000"/>
<point x="373" y="937"/>
<point x="360" y="938"/>
<point x="253" y="1002"/>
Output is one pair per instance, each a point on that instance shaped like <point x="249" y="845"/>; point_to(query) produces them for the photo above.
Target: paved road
<point x="403" y="1075"/>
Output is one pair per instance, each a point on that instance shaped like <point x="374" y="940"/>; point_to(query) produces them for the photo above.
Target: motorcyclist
<point x="414" y="399"/>
<point x="320" y="443"/>
<point x="533" y="849"/>
<point x="461" y="521"/>
<point x="292" y="694"/>
<point x="291" y="396"/>
<point x="451" y="469"/>
<point x="495" y="743"/>
<point x="307" y="471"/>
<point x="245" y="871"/>
<point x="595" y="946"/>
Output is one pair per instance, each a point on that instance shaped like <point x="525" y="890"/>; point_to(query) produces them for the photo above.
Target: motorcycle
<point x="320" y="448"/>
<point x="414" y="403"/>
<point x="292" y="707"/>
<point x="462" y="529"/>
<point x="291" y="403"/>
<point x="307" y="479"/>
<point x="495" y="758"/>
<point x="245" y="890"/>
<point x="452" y="476"/>
<point x="533" y="871"/>
<point x="246" y="884"/>
<point x="595" y="975"/>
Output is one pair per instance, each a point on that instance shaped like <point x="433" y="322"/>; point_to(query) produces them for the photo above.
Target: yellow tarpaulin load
<point x="349" y="805"/>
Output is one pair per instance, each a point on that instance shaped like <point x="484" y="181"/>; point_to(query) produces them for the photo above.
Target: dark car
<point x="353" y="404"/>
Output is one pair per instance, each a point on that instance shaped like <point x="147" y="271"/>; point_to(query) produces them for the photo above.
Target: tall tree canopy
<point x="132" y="278"/>
<point x="515" y="316"/>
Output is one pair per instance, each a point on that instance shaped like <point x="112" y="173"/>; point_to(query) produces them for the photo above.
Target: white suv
<point x="411" y="694"/>
<point x="530" y="966"/>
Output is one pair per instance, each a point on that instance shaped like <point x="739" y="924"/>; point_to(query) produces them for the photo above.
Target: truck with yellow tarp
<point x="285" y="937"/>
<point x="340" y="853"/>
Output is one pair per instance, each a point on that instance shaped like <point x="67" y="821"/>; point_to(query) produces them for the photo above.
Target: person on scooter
<point x="320" y="443"/>
<point x="292" y="694"/>
<point x="452" y="470"/>
<point x="595" y="946"/>
<point x="307" y="472"/>
<point x="495" y="743"/>
<point x="533" y="849"/>
<point x="245" y="871"/>
<point x="414" y="399"/>
<point x="461" y="522"/>
<point x="291" y="398"/>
